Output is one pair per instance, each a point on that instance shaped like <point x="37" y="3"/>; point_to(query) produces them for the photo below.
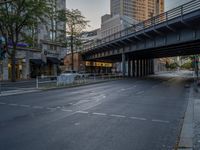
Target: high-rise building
<point x="169" y="4"/>
<point x="122" y="8"/>
<point x="137" y="9"/>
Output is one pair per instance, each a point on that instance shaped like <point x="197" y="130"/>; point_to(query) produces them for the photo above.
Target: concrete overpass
<point x="173" y="33"/>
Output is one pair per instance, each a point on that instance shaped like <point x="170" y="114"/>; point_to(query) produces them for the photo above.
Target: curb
<point x="18" y="93"/>
<point x="53" y="88"/>
<point x="187" y="131"/>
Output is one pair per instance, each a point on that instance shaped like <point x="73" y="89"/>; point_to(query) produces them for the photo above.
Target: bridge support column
<point x="129" y="67"/>
<point x="133" y="68"/>
<point x="151" y="66"/>
<point x="123" y="64"/>
<point x="137" y="68"/>
<point x="144" y="67"/>
<point x="147" y="66"/>
<point x="141" y="68"/>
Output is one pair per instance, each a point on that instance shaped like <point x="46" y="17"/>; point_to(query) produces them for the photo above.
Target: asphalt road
<point x="131" y="114"/>
<point x="8" y="86"/>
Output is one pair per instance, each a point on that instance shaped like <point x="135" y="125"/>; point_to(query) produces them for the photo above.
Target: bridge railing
<point x="169" y="15"/>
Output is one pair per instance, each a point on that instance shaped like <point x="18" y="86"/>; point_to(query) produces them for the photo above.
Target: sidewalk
<point x="190" y="134"/>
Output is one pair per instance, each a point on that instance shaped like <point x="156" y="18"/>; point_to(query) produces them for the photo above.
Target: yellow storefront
<point x="98" y="67"/>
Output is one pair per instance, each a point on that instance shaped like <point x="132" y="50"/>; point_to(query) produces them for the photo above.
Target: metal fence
<point x="45" y="82"/>
<point x="164" y="17"/>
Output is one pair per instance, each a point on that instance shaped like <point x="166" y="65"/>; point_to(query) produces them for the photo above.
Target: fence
<point x="152" y="22"/>
<point x="45" y="82"/>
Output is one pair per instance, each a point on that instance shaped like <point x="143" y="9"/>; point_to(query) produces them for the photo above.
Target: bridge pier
<point x="137" y="68"/>
<point x="141" y="68"/>
<point x="146" y="67"/>
<point x="151" y="66"/>
<point x="123" y="64"/>
<point x="133" y="68"/>
<point x="129" y="67"/>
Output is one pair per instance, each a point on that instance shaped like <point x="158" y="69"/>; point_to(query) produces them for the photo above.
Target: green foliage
<point x="16" y="17"/>
<point x="187" y="65"/>
<point x="171" y="66"/>
<point x="75" y="24"/>
<point x="174" y="65"/>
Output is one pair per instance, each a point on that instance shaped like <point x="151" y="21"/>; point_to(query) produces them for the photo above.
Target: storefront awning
<point x="37" y="61"/>
<point x="53" y="60"/>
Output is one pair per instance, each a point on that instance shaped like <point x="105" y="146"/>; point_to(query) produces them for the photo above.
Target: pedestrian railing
<point x="45" y="82"/>
<point x="152" y="22"/>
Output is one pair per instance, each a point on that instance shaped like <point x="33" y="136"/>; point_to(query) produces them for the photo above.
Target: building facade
<point x="137" y="9"/>
<point x="44" y="56"/>
<point x="169" y="4"/>
<point x="115" y="24"/>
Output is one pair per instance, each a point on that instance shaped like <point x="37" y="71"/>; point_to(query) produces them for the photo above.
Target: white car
<point x="72" y="73"/>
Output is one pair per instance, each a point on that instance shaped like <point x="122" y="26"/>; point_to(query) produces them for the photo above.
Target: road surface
<point x="130" y="114"/>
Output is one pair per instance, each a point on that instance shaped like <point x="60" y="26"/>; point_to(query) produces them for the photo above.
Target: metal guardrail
<point x="45" y="82"/>
<point x="164" y="17"/>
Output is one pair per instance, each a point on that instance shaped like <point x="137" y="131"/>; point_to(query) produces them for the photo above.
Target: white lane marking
<point x="100" y="114"/>
<point x="119" y="116"/>
<point x="49" y="108"/>
<point x="130" y="88"/>
<point x="66" y="110"/>
<point x="141" y="92"/>
<point x="99" y="97"/>
<point x="26" y="106"/>
<point x="77" y="124"/>
<point x="58" y="107"/>
<point x="38" y="107"/>
<point x="13" y="104"/>
<point x="81" y="102"/>
<point x="82" y="112"/>
<point x="161" y="121"/>
<point x="138" y="118"/>
<point x="1" y="103"/>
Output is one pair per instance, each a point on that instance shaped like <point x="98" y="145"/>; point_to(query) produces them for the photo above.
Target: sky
<point x="91" y="9"/>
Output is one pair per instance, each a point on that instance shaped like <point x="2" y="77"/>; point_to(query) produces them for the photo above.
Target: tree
<point x="76" y="23"/>
<point x="18" y="16"/>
